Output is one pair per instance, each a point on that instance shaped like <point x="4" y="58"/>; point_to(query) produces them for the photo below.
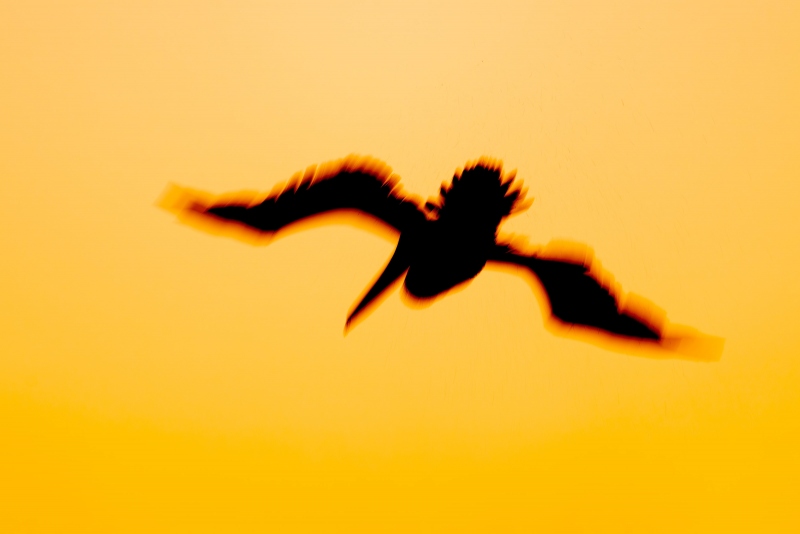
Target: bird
<point x="443" y="243"/>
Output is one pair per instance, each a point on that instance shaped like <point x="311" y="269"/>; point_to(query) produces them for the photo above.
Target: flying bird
<point x="443" y="243"/>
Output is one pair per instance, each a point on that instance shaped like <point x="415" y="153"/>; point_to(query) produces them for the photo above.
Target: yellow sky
<point x="154" y="377"/>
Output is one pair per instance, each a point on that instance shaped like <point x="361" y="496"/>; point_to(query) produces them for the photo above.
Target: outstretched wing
<point x="576" y="297"/>
<point x="355" y="184"/>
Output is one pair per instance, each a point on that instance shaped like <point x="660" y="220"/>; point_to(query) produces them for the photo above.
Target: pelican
<point x="443" y="243"/>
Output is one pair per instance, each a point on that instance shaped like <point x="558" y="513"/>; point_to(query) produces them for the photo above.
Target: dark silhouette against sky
<point x="445" y="242"/>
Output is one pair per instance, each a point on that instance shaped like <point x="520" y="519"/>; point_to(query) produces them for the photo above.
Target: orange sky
<point x="156" y="377"/>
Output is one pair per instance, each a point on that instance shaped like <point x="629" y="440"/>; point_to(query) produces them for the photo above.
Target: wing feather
<point x="355" y="183"/>
<point x="576" y="297"/>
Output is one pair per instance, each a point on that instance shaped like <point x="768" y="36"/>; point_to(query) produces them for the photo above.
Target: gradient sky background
<point x="156" y="378"/>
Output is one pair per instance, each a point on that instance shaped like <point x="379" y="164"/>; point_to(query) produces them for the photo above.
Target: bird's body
<point x="444" y="255"/>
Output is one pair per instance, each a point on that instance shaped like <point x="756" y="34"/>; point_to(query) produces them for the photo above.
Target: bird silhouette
<point x="443" y="243"/>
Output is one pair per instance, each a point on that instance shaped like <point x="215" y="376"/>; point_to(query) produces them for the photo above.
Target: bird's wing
<point x="576" y="297"/>
<point x="355" y="184"/>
